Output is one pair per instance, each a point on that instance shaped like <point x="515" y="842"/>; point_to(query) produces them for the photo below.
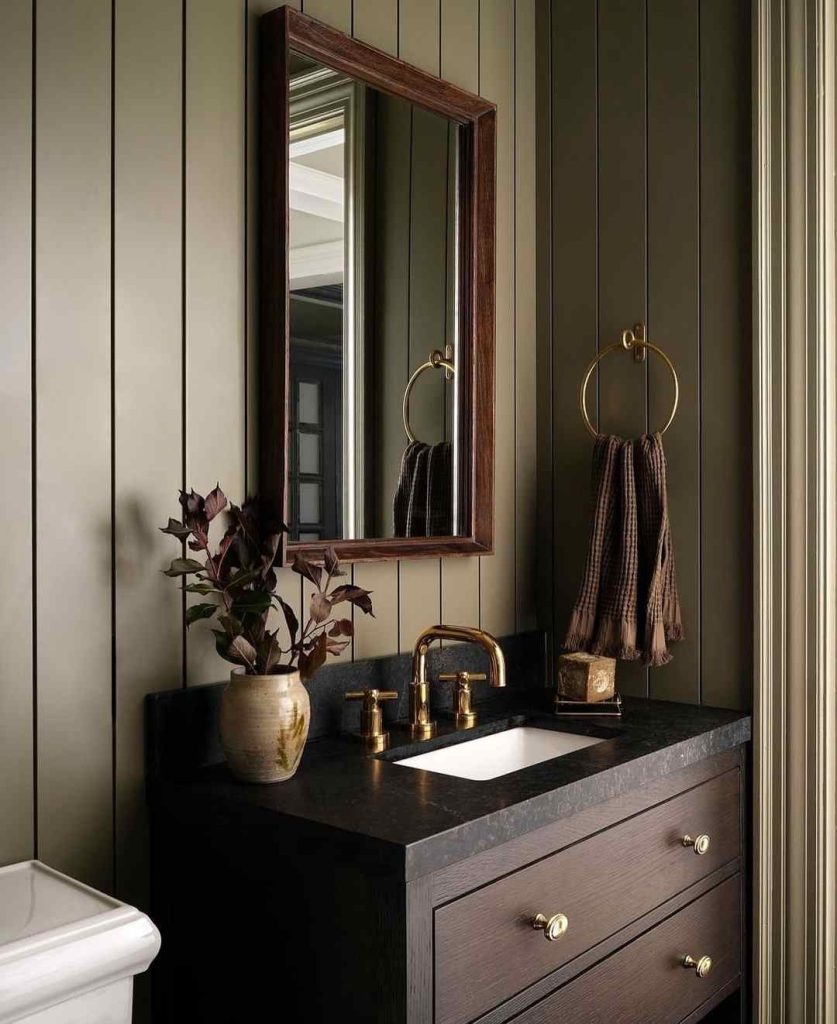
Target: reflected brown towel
<point x="628" y="606"/>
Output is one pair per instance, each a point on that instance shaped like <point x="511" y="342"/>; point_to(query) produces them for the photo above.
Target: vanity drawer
<point x="646" y="981"/>
<point x="486" y="949"/>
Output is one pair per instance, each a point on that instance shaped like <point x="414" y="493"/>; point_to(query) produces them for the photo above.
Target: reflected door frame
<point x="319" y="100"/>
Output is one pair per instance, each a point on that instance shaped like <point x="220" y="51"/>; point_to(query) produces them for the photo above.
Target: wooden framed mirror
<point x="376" y="305"/>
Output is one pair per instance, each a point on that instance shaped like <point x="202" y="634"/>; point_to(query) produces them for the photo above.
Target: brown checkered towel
<point x="628" y="606"/>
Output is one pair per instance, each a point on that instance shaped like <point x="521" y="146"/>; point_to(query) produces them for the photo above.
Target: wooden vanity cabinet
<point x="636" y="902"/>
<point x="317" y="925"/>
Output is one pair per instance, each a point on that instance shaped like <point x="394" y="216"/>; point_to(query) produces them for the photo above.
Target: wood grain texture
<point x="17" y="838"/>
<point x="147" y="397"/>
<point x="73" y="476"/>
<point x="289" y="585"/>
<point x="215" y="347"/>
<point x="497" y="573"/>
<point x="419" y="583"/>
<point x="645" y="981"/>
<point x="726" y="345"/>
<point x="464" y="877"/>
<point x="580" y="883"/>
<point x="674" y="306"/>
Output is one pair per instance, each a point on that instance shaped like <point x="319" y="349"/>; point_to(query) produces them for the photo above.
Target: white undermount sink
<point x="488" y="757"/>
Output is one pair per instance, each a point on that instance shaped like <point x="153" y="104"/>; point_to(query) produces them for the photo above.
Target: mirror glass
<point x="375" y="256"/>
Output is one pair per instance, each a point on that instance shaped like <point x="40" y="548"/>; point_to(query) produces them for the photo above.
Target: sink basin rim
<point x="489" y="757"/>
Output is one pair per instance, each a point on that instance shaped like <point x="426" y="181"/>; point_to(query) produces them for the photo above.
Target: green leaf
<point x="201" y="588"/>
<point x="251" y="601"/>
<point x="195" y="612"/>
<point x="183" y="567"/>
<point x="176" y="529"/>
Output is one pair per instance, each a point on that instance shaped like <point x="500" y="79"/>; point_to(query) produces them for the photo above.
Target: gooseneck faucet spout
<point x="421" y="724"/>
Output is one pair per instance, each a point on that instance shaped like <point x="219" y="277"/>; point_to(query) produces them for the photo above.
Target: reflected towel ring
<point x="628" y="343"/>
<point x="436" y="361"/>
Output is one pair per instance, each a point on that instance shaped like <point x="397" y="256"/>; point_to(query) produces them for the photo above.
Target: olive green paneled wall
<point x="128" y="224"/>
<point x="649" y="219"/>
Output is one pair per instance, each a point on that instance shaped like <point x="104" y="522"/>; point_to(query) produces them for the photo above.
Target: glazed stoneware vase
<point x="264" y="725"/>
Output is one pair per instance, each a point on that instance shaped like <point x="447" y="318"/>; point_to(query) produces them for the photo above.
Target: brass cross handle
<point x="372" y="730"/>
<point x="465" y="716"/>
<point x="552" y="927"/>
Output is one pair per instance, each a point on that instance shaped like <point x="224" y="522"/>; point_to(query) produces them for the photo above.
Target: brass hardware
<point x="421" y="725"/>
<point x="552" y="927"/>
<point x="437" y="359"/>
<point x="371" y="717"/>
<point x="464" y="715"/>
<point x="700" y="844"/>
<point x="702" y="966"/>
<point x="632" y="340"/>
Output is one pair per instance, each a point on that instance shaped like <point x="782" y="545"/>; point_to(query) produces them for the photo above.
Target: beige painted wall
<point x="127" y="297"/>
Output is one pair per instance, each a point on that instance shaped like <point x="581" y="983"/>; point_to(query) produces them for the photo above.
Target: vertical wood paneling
<point x="17" y="836"/>
<point x="726" y="347"/>
<point x="574" y="284"/>
<point x="376" y="22"/>
<point x="497" y="573"/>
<point x="215" y="264"/>
<point x="337" y="13"/>
<point x="73" y="358"/>
<point x="674" y="305"/>
<point x="543" y="298"/>
<point x="664" y="236"/>
<point x="525" y="347"/>
<point x="147" y="394"/>
<point x="622" y="228"/>
<point x="461" y="65"/>
<point x="419" y="582"/>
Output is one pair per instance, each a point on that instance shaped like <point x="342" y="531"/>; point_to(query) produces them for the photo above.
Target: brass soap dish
<point x="588" y="708"/>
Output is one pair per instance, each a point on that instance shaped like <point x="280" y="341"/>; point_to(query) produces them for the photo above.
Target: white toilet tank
<point x="68" y="954"/>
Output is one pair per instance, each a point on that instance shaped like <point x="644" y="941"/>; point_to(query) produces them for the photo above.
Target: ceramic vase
<point x="264" y="725"/>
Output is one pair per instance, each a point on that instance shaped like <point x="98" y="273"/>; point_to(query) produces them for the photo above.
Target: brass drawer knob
<point x="700" y="844"/>
<point x="552" y="927"/>
<point x="702" y="966"/>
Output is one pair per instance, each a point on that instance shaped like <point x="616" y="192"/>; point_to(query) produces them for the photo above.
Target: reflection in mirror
<point x="374" y="261"/>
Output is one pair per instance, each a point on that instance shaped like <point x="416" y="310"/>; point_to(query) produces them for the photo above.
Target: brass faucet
<point x="421" y="725"/>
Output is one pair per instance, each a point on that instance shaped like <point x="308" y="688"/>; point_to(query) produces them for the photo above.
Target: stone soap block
<point x="586" y="677"/>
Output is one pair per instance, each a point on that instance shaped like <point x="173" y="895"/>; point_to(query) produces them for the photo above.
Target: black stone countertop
<point x="425" y="820"/>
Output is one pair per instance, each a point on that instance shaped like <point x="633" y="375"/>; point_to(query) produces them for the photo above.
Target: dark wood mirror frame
<point x="286" y="29"/>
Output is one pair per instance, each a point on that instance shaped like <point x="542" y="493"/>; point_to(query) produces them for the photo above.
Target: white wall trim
<point x="795" y="515"/>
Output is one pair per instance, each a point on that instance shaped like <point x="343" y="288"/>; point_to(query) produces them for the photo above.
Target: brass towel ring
<point x="435" y="361"/>
<point x="629" y="342"/>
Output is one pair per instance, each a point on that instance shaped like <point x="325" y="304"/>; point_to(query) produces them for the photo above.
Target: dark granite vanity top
<point x="425" y="820"/>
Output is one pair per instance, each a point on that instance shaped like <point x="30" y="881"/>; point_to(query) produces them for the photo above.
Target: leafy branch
<point x="240" y="579"/>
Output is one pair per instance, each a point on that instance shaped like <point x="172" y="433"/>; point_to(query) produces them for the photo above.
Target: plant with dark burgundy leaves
<point x="239" y="578"/>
